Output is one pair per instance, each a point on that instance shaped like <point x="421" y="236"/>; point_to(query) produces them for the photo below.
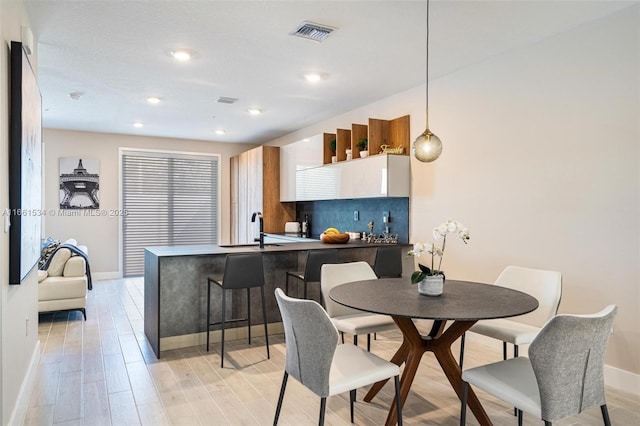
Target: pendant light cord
<point x="427" y="67"/>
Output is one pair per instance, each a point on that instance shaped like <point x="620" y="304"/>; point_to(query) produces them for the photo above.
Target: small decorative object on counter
<point x="430" y="288"/>
<point x="349" y="154"/>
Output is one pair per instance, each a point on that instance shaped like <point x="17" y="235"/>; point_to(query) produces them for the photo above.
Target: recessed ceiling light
<point x="181" y="55"/>
<point x="138" y="125"/>
<point x="312" y="77"/>
<point x="74" y="96"/>
<point x="306" y="140"/>
<point x="254" y="111"/>
<point x="153" y="100"/>
<point x="220" y="132"/>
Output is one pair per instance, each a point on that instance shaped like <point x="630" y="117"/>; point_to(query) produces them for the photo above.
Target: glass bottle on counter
<point x="306" y="227"/>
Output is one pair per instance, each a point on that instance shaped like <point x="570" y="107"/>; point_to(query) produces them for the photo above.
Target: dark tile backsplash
<point x="339" y="214"/>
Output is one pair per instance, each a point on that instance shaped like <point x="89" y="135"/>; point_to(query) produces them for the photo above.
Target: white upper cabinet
<point x="383" y="175"/>
<point x="297" y="156"/>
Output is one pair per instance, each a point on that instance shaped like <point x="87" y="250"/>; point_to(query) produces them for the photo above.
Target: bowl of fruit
<point x="333" y="236"/>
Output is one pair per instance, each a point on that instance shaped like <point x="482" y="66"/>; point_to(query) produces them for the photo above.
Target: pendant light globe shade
<point x="427" y="147"/>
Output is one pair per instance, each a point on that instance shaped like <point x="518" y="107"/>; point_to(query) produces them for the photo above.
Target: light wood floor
<point x="102" y="372"/>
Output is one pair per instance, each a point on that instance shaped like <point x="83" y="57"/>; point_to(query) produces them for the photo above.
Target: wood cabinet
<point x="255" y="186"/>
<point x="391" y="133"/>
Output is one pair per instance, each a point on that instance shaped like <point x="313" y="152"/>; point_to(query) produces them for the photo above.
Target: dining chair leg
<point x="375" y="336"/>
<point x="461" y="359"/>
<point x="249" y="313"/>
<point x="323" y="406"/>
<point x="504" y="350"/>
<point x="224" y="294"/>
<point x="342" y="336"/>
<point x="264" y="320"/>
<point x="352" y="398"/>
<point x="605" y="415"/>
<point x="368" y="342"/>
<point x="546" y="423"/>
<point x="519" y="417"/>
<point x="281" y="397"/>
<point x="463" y="403"/>
<point x="355" y="339"/>
<point x="396" y="382"/>
<point x="208" y="311"/>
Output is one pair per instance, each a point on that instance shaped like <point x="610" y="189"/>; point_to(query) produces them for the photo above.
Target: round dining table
<point x="462" y="302"/>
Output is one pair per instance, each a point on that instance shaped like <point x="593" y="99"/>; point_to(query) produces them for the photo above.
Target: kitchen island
<point x="175" y="288"/>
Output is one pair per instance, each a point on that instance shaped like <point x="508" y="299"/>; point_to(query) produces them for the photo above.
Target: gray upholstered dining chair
<point x="563" y="375"/>
<point x="314" y="358"/>
<point x="348" y="320"/>
<point x="546" y="286"/>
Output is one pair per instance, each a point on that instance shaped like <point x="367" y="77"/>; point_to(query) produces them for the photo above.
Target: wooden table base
<point x="410" y="352"/>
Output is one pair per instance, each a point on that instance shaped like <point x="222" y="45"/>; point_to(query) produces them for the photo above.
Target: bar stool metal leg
<point x="224" y="292"/>
<point x="208" y="311"/>
<point x="249" y="313"/>
<point x="264" y="320"/>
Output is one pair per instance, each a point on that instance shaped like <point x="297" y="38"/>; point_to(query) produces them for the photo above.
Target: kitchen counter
<point x="175" y="287"/>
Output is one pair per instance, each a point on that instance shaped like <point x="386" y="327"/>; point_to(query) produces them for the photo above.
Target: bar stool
<point x="388" y="263"/>
<point x="311" y="273"/>
<point x="240" y="271"/>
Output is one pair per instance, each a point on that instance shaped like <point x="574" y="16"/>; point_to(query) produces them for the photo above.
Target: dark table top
<point x="461" y="300"/>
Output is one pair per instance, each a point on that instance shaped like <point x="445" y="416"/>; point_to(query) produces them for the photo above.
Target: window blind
<point x="170" y="200"/>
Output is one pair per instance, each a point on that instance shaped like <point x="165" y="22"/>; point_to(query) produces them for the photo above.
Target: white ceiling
<point x="116" y="53"/>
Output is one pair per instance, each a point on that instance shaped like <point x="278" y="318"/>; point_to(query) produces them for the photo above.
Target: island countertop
<point x="212" y="249"/>
<point x="175" y="287"/>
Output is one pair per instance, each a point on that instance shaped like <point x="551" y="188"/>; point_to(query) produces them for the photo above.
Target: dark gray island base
<point x="175" y="288"/>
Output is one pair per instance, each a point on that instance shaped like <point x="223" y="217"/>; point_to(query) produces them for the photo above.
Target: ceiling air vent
<point x="315" y="32"/>
<point x="225" y="100"/>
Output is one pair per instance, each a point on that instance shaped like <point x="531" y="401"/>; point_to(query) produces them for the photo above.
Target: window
<point x="170" y="199"/>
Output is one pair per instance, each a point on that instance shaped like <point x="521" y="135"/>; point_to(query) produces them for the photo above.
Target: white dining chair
<point x="314" y="358"/>
<point x="563" y="376"/>
<point x="546" y="286"/>
<point x="348" y="320"/>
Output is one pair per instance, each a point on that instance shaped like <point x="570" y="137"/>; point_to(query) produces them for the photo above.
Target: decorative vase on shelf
<point x="432" y="285"/>
<point x="334" y="158"/>
<point x="364" y="154"/>
<point x="348" y="152"/>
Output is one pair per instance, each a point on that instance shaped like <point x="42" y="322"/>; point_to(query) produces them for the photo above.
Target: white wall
<point x="19" y="347"/>
<point x="101" y="234"/>
<point x="541" y="162"/>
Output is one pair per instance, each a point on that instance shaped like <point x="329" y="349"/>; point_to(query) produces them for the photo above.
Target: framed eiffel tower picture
<point x="79" y="183"/>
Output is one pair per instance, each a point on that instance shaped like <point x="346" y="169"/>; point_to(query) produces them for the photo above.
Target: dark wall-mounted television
<point x="25" y="166"/>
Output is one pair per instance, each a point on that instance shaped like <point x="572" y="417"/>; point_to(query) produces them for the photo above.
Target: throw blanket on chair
<point x="75" y="251"/>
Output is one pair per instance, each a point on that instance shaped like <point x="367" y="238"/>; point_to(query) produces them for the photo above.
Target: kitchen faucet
<point x="253" y="219"/>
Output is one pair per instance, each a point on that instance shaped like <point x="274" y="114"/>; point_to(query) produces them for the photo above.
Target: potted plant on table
<point x="430" y="280"/>
<point x="363" y="145"/>
<point x="332" y="147"/>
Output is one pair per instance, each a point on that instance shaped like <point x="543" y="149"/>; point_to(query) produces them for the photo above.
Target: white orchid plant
<point x="449" y="227"/>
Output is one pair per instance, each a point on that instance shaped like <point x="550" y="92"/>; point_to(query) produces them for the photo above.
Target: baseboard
<point x="99" y="276"/>
<point x="22" y="404"/>
<point x="197" y="339"/>
<point x="623" y="380"/>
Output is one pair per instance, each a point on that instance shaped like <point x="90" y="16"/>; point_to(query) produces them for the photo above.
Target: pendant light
<point x="427" y="147"/>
